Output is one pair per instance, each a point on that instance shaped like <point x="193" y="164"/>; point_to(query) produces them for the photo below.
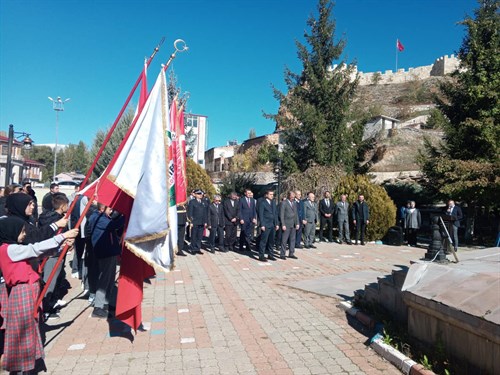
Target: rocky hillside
<point x="399" y="100"/>
<point x="395" y="157"/>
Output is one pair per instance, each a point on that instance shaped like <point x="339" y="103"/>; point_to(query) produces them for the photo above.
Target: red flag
<point x="133" y="270"/>
<point x="180" y="159"/>
<point x="399" y="46"/>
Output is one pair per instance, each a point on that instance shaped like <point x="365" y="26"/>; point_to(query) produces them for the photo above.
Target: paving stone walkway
<point x="227" y="313"/>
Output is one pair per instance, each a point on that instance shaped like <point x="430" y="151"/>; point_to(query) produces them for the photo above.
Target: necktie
<point x="248" y="202"/>
<point x="327" y="203"/>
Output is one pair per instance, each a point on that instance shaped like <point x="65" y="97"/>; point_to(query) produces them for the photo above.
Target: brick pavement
<point x="227" y="313"/>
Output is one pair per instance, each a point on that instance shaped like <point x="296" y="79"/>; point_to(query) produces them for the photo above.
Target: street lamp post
<point x="27" y="143"/>
<point x="58" y="106"/>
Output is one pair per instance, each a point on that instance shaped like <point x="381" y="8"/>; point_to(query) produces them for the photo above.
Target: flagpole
<point x="87" y="177"/>
<point x="180" y="46"/>
<point x="397" y="50"/>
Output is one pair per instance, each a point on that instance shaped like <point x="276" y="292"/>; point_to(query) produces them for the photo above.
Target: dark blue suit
<point x="300" y="212"/>
<point x="361" y="214"/>
<point x="455" y="216"/>
<point x="268" y="218"/>
<point x="216" y="225"/>
<point x="198" y="217"/>
<point x="248" y="213"/>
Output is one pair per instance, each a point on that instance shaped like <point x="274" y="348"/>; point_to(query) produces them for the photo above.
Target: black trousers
<point x="266" y="242"/>
<point x="181" y="232"/>
<point x="360" y="231"/>
<point x="246" y="231"/>
<point x="329" y="224"/>
<point x="196" y="237"/>
<point x="411" y="236"/>
<point x="217" y="232"/>
<point x="231" y="238"/>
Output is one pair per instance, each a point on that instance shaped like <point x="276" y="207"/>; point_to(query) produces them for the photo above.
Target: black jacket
<point x="197" y="212"/>
<point x="215" y="216"/>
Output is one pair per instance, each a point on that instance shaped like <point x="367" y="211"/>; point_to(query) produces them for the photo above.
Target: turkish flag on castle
<point x="399" y="46"/>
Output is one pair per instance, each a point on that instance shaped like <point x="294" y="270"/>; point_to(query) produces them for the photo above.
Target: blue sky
<point x="92" y="52"/>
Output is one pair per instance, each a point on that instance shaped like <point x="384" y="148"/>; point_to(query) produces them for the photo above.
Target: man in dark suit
<point x="198" y="219"/>
<point x="342" y="215"/>
<point x="231" y="215"/>
<point x="310" y="220"/>
<point x="455" y="216"/>
<point x="216" y="224"/>
<point x="360" y="218"/>
<point x="181" y="228"/>
<point x="300" y="211"/>
<point x="289" y="224"/>
<point x="248" y="219"/>
<point x="326" y="210"/>
<point x="268" y="218"/>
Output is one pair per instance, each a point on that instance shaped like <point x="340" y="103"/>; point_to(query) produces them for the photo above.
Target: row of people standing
<point x="291" y="221"/>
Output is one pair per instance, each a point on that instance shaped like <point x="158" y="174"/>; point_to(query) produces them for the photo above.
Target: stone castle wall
<point x="442" y="66"/>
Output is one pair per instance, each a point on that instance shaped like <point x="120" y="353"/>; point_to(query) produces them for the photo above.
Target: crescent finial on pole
<point x="180" y="46"/>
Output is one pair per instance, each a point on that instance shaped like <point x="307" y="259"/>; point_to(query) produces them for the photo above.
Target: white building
<point x="198" y="125"/>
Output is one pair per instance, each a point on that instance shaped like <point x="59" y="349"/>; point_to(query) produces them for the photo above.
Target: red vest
<point x="15" y="273"/>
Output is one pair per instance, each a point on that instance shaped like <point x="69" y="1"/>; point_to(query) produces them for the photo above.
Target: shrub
<point x="317" y="179"/>
<point x="382" y="208"/>
<point x="198" y="178"/>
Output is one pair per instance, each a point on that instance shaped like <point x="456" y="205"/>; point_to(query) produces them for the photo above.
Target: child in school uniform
<point x="23" y="349"/>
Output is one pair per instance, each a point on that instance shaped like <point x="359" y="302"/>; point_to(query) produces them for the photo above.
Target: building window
<point x="200" y="161"/>
<point x="5" y="150"/>
<point x="192" y="121"/>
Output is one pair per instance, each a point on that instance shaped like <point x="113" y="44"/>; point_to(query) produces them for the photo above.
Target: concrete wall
<point x="463" y="335"/>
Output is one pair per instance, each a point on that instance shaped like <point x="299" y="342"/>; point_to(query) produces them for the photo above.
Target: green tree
<point x="42" y="154"/>
<point x="470" y="100"/>
<point x="175" y="91"/>
<point x="252" y="134"/>
<point x="436" y="120"/>
<point x="237" y="182"/>
<point x="75" y="158"/>
<point x="313" y="114"/>
<point x="465" y="166"/>
<point x="198" y="178"/>
<point x="113" y="144"/>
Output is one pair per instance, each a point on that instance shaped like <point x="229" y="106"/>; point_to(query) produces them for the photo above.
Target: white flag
<point x="141" y="172"/>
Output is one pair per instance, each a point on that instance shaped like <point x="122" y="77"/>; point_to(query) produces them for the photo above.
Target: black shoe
<point x="313" y="247"/>
<point x="293" y="256"/>
<point x="349" y="242"/>
<point x="99" y="313"/>
<point x="181" y="253"/>
<point x="307" y="247"/>
<point x="212" y="250"/>
<point x="362" y="243"/>
<point x="355" y="242"/>
<point x="271" y="258"/>
<point x="299" y="247"/>
<point x="283" y="257"/>
<point x="262" y="258"/>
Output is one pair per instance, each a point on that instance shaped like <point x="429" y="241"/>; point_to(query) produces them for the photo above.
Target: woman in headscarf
<point x="22" y="206"/>
<point x="23" y="349"/>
